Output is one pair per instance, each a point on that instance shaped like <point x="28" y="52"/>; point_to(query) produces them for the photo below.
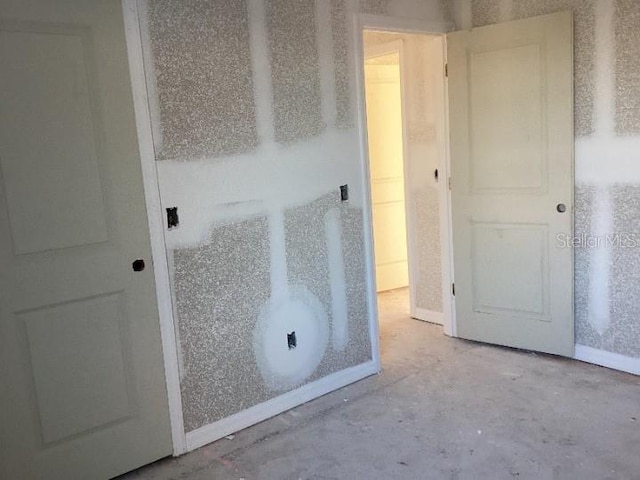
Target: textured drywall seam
<point x="341" y="62"/>
<point x="600" y="272"/>
<point x="612" y="314"/>
<point x="261" y="70"/>
<point x="243" y="182"/>
<point x="324" y="29"/>
<point x="337" y="280"/>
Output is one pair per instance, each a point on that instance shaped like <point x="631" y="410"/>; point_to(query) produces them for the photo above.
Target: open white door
<point x="511" y="121"/>
<point x="82" y="386"/>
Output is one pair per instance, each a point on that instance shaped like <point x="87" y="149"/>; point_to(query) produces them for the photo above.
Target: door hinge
<point x="453" y="289"/>
<point x="449" y="182"/>
<point x="446" y="69"/>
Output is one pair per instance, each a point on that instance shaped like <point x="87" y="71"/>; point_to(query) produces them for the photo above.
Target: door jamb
<point x="156" y="223"/>
<point x="446" y="233"/>
<point x="407" y="25"/>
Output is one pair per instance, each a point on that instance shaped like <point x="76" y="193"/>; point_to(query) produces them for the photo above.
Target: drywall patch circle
<point x="290" y="338"/>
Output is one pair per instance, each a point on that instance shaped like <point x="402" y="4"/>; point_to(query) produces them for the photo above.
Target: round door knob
<point x="138" y="265"/>
<point x="561" y="208"/>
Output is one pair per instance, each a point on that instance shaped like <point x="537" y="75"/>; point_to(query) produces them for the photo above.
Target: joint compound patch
<point x="281" y="366"/>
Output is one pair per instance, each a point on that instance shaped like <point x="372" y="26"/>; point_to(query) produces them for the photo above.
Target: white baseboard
<point x="607" y="359"/>
<point x="428" y="316"/>
<point x="258" y="413"/>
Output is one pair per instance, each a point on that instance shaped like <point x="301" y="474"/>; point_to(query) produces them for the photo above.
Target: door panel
<point x="48" y="89"/>
<point x="83" y="392"/>
<point x="520" y="284"/>
<point x="511" y="120"/>
<point x="508" y="153"/>
<point x="77" y="356"/>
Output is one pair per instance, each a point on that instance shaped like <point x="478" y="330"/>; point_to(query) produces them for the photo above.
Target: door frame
<point x="407" y="25"/>
<point x="378" y="51"/>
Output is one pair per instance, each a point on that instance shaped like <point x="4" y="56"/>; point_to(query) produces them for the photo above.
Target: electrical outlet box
<point x="172" y="218"/>
<point x="344" y="193"/>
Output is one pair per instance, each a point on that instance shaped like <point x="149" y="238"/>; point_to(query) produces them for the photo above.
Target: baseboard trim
<point x="607" y="359"/>
<point x="258" y="413"/>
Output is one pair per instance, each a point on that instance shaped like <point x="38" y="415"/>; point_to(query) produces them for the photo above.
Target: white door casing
<point x="511" y="122"/>
<point x="83" y="388"/>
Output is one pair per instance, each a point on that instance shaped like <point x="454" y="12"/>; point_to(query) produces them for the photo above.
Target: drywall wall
<point x="607" y="161"/>
<point x="423" y="56"/>
<point x="188" y="92"/>
<point x="253" y="109"/>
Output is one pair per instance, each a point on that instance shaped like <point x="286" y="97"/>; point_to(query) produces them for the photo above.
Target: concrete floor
<point x="441" y="409"/>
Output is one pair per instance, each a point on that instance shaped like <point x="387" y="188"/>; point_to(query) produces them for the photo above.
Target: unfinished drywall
<point x="607" y="162"/>
<point x="253" y="108"/>
<point x="342" y="62"/>
<point x="422" y="54"/>
<point x="234" y="325"/>
<point x="485" y="12"/>
<point x="200" y="78"/>
<point x="331" y="264"/>
<point x="430" y="10"/>
<point x="295" y="69"/>
<point x="220" y="288"/>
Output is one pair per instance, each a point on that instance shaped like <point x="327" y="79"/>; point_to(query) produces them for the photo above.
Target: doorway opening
<point x="404" y="90"/>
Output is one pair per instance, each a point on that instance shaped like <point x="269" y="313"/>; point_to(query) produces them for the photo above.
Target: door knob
<point x="138" y="265"/>
<point x="561" y="208"/>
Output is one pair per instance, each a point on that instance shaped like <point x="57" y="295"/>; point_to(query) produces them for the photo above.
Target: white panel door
<point x="384" y="127"/>
<point x="511" y="121"/>
<point x="81" y="370"/>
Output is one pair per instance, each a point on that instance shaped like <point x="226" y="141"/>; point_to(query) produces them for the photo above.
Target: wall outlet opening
<point x="292" y="342"/>
<point x="344" y="193"/>
<point x="172" y="218"/>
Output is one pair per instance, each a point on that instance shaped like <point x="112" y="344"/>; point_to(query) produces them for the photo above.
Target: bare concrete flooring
<point x="441" y="409"/>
